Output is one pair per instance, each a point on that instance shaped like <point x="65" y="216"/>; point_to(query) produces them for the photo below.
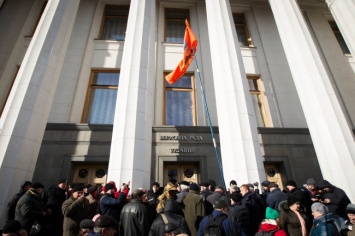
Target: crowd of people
<point x="180" y="208"/>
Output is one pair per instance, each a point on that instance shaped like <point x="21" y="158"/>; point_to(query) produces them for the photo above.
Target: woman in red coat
<point x="269" y="224"/>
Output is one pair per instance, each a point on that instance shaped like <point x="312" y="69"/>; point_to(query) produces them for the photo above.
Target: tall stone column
<point x="330" y="132"/>
<point x="240" y="148"/>
<point x="343" y="12"/>
<point x="24" y="119"/>
<point x="130" y="155"/>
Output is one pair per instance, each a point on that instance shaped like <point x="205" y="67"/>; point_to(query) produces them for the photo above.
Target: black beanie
<point x="291" y="183"/>
<point x="77" y="187"/>
<point x="292" y="200"/>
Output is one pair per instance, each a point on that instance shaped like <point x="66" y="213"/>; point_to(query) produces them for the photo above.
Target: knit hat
<point x="77" y="188"/>
<point x="271" y="213"/>
<point x="311" y="182"/>
<point x="291" y="183"/>
<point x="109" y="186"/>
<point x="350" y="208"/>
<point x="11" y="226"/>
<point x="219" y="204"/>
<point x="236" y="197"/>
<point x="273" y="185"/>
<point x="86" y="224"/>
<point x="194" y="187"/>
<point x="319" y="207"/>
<point x="324" y="184"/>
<point x="37" y="185"/>
<point x="156" y="184"/>
<point x="291" y="201"/>
<point x="265" y="183"/>
<point x="105" y="221"/>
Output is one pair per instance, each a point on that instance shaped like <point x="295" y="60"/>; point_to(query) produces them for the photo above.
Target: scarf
<point x="303" y="223"/>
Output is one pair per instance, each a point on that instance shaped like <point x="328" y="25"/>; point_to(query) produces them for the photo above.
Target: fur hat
<point x="291" y="183"/>
<point x="319" y="207"/>
<point x="271" y="213"/>
<point x="194" y="187"/>
<point x="291" y="201"/>
<point x="350" y="208"/>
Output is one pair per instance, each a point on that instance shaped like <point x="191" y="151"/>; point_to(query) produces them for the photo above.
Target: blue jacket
<point x="111" y="206"/>
<point x="324" y="226"/>
<point x="226" y="225"/>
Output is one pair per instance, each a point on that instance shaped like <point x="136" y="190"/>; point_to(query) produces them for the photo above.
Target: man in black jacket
<point x="134" y="216"/>
<point x="171" y="212"/>
<point x="31" y="208"/>
<point x="54" y="197"/>
<point x="275" y="196"/>
<point x="11" y="206"/>
<point x="111" y="206"/>
<point x="239" y="213"/>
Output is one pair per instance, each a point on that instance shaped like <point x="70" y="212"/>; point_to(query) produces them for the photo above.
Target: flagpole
<point x="210" y="125"/>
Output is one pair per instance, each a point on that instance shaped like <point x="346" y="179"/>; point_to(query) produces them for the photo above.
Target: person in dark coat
<point x="30" y="208"/>
<point x="275" y="196"/>
<point x="239" y="214"/>
<point x="153" y="195"/>
<point x="220" y="209"/>
<point x="255" y="205"/>
<point x="93" y="201"/>
<point x="323" y="223"/>
<point x="111" y="206"/>
<point x="172" y="214"/>
<point x="292" y="218"/>
<point x="204" y="193"/>
<point x="11" y="206"/>
<point x="134" y="216"/>
<point x="75" y="209"/>
<point x="334" y="198"/>
<point x="218" y="194"/>
<point x="54" y="197"/>
<point x="13" y="228"/>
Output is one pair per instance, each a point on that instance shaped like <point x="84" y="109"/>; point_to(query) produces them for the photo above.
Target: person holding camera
<point x="111" y="206"/>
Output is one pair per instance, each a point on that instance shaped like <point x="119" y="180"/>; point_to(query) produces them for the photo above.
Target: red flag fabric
<point x="190" y="47"/>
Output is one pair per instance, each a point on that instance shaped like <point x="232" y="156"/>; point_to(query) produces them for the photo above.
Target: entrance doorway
<point x="90" y="174"/>
<point x="273" y="174"/>
<point x="187" y="171"/>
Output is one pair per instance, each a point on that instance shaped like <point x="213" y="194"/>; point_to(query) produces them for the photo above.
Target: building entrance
<point x="187" y="171"/>
<point x="90" y="174"/>
<point x="273" y="174"/>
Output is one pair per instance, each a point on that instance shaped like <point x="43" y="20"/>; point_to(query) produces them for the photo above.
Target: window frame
<point x="192" y="90"/>
<point x="104" y="17"/>
<point x="89" y="91"/>
<point x="260" y="92"/>
<point x="245" y="25"/>
<point x="174" y="19"/>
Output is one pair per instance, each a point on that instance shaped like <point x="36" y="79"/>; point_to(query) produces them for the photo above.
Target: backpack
<point x="263" y="233"/>
<point x="214" y="227"/>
